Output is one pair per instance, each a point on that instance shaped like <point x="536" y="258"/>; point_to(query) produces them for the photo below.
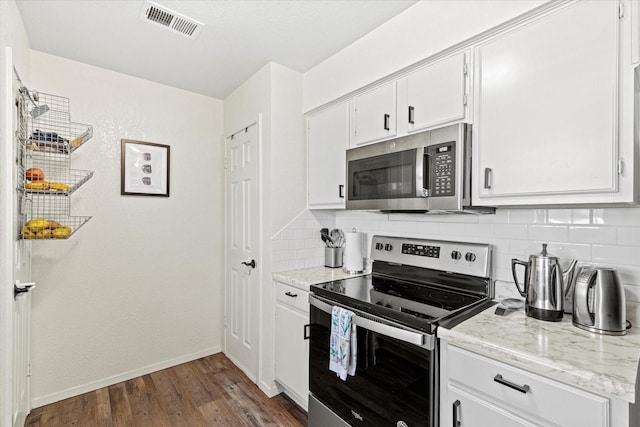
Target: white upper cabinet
<point x="374" y="115"/>
<point x="435" y="95"/>
<point x="547" y="110"/>
<point x="328" y="140"/>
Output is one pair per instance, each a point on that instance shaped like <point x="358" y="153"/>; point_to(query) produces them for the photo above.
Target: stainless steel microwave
<point x="424" y="172"/>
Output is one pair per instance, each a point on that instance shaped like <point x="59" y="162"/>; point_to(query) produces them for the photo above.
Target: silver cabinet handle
<point x="521" y="388"/>
<point x="386" y="121"/>
<point x="456" y="413"/>
<point x="487" y="178"/>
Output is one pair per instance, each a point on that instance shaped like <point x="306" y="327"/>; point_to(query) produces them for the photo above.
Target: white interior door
<point x="15" y="263"/>
<point x="242" y="292"/>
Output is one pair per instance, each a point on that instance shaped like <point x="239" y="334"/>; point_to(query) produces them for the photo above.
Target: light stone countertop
<point x="304" y="278"/>
<point x="602" y="364"/>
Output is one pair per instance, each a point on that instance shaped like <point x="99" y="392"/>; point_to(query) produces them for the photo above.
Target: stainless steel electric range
<point x="415" y="286"/>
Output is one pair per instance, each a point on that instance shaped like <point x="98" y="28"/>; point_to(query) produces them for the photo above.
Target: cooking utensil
<point x="599" y="302"/>
<point x="324" y="235"/>
<point x="543" y="285"/>
<point x="337" y="237"/>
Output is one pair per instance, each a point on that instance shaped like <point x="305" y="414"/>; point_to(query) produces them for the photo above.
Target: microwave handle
<point x="422" y="172"/>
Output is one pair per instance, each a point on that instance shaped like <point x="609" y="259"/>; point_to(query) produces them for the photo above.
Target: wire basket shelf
<point x="47" y="138"/>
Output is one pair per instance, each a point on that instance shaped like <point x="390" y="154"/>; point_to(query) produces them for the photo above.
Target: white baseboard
<point x="39" y="401"/>
<point x="270" y="388"/>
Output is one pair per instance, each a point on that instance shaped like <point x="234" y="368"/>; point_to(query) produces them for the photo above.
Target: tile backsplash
<point x="298" y="245"/>
<point x="603" y="236"/>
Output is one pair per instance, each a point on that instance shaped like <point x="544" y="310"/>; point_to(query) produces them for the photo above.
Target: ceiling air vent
<point x="167" y="18"/>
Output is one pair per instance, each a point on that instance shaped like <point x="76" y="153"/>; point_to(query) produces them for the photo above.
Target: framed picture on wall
<point x="144" y="168"/>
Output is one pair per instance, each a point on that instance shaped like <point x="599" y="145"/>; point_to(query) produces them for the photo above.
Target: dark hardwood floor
<point x="210" y="391"/>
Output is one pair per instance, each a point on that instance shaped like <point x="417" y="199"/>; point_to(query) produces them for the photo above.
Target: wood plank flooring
<point x="210" y="391"/>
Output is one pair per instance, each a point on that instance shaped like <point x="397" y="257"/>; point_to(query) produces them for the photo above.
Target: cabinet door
<point x="436" y="94"/>
<point x="466" y="410"/>
<point x="374" y="115"/>
<point x="328" y="139"/>
<point x="546" y="103"/>
<point x="292" y="350"/>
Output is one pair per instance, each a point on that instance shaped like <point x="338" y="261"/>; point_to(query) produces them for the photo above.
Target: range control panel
<point x="421" y="250"/>
<point x="459" y="257"/>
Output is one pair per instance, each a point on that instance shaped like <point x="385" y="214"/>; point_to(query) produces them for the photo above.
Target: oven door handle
<point x="411" y="337"/>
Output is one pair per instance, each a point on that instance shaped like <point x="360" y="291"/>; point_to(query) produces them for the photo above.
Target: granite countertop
<point x="602" y="364"/>
<point x="304" y="278"/>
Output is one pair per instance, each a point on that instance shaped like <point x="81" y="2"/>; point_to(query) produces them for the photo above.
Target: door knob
<point x="251" y="263"/>
<point x="21" y="288"/>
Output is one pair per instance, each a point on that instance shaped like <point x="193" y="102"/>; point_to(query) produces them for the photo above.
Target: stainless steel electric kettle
<point x="543" y="286"/>
<point x="599" y="302"/>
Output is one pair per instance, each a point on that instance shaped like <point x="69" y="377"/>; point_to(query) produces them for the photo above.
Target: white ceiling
<point x="239" y="36"/>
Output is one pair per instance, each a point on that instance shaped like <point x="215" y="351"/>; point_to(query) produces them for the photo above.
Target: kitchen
<point x="72" y="355"/>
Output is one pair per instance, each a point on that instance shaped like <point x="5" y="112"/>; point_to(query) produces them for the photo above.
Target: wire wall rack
<point x="46" y="140"/>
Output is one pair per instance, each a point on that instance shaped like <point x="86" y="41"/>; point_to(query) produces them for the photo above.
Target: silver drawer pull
<point x="521" y="388"/>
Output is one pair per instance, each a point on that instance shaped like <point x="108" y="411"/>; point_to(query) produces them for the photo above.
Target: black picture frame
<point x="144" y="168"/>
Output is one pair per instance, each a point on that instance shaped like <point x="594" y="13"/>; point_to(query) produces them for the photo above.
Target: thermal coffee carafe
<point x="543" y="286"/>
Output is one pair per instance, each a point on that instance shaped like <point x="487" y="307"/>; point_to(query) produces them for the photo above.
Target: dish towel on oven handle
<point x="343" y="343"/>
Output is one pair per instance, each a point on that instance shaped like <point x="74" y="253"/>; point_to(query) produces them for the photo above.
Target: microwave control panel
<point x="442" y="169"/>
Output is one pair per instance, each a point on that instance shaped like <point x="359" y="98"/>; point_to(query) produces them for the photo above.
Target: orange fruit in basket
<point x="34" y="174"/>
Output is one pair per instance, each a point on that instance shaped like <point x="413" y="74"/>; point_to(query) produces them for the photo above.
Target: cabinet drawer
<point x="293" y="297"/>
<point x="533" y="397"/>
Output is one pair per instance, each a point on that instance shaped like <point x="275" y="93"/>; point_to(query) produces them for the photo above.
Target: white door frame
<point x="259" y="232"/>
<point x="6" y="238"/>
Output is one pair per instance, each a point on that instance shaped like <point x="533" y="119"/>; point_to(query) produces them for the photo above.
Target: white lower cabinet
<point x="291" y="342"/>
<point x="477" y="391"/>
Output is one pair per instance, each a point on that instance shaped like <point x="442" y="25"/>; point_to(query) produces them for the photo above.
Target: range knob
<point x="387" y="305"/>
<point x="470" y="256"/>
<point x="388" y="247"/>
<point x="456" y="255"/>
<point x="379" y="246"/>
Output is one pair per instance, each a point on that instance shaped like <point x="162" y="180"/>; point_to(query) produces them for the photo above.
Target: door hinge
<point x="464" y="100"/>
<point x="29" y="368"/>
<point x="620" y="167"/>
<point x="224" y="321"/>
<point x="465" y="69"/>
<point x="226" y="163"/>
<point x="620" y="10"/>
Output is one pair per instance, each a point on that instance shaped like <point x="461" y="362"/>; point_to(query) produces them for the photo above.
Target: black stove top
<point x="412" y="294"/>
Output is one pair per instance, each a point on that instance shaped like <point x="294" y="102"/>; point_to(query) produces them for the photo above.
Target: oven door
<point x="395" y="379"/>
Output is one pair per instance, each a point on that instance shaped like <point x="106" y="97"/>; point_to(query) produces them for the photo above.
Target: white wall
<point x="422" y="30"/>
<point x="14" y="35"/>
<point x="139" y="287"/>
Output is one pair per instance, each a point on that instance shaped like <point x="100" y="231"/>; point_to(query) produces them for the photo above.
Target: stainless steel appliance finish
<point x="425" y="172"/>
<point x="415" y="287"/>
<point x="543" y="285"/>
<point x="599" y="302"/>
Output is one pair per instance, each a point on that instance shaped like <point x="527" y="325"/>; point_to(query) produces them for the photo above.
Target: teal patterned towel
<point x="342" y="346"/>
